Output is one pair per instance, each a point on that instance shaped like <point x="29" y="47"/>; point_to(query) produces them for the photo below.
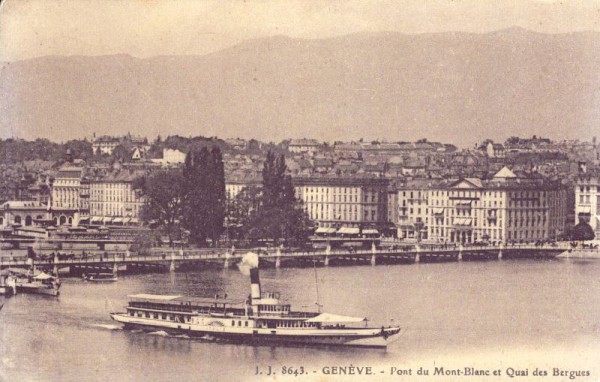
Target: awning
<point x="463" y="205"/>
<point x="84" y="219"/>
<point x="107" y="220"/>
<point x="43" y="276"/>
<point x="585" y="210"/>
<point x="325" y="230"/>
<point x="370" y="231"/>
<point x="135" y="220"/>
<point x="126" y="220"/>
<point x="349" y="231"/>
<point x="96" y="220"/>
<point x="118" y="220"/>
<point x="334" y="318"/>
<point x="438" y="211"/>
<point x="462" y="221"/>
<point x="144" y="296"/>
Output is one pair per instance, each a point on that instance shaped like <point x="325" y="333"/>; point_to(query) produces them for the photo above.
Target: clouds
<point x="142" y="28"/>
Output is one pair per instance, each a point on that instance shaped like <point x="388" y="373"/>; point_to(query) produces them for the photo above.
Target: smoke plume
<point x="249" y="261"/>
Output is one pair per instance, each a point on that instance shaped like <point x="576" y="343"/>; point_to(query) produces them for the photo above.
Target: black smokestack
<point x="254" y="285"/>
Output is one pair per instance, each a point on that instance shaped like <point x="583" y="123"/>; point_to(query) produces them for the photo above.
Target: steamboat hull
<point x="38" y="290"/>
<point x="360" y="337"/>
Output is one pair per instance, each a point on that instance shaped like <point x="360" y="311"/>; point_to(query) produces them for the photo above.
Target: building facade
<point x="115" y="200"/>
<point x="66" y="191"/>
<point x="587" y="201"/>
<point x="413" y="209"/>
<point x="503" y="209"/>
<point x="23" y="213"/>
<point x="105" y="144"/>
<point x="344" y="202"/>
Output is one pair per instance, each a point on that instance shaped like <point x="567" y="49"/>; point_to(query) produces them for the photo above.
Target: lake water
<point x="506" y="316"/>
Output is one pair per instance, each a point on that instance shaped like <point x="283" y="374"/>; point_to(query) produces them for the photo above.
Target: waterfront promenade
<point x="172" y="258"/>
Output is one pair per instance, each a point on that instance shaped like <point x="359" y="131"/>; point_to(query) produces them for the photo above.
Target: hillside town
<point x="521" y="191"/>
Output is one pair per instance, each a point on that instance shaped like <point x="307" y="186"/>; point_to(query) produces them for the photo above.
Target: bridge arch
<point x="18" y="219"/>
<point x="70" y="220"/>
<point x="62" y="220"/>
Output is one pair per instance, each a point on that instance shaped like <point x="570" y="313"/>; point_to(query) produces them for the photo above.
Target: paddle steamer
<point x="261" y="318"/>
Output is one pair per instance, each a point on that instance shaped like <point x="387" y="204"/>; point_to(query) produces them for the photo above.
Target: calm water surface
<point x="493" y="315"/>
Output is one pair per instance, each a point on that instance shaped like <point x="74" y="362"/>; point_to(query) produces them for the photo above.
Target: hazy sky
<point x="144" y="28"/>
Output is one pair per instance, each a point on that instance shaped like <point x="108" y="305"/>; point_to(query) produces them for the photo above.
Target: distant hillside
<point x="449" y="87"/>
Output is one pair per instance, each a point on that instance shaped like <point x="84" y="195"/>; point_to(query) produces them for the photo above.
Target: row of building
<point x="503" y="208"/>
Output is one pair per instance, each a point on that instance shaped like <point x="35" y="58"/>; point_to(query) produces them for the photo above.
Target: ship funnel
<point x="254" y="286"/>
<point x="249" y="266"/>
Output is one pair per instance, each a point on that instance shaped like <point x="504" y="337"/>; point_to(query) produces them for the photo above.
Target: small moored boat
<point x="42" y="283"/>
<point x="100" y="277"/>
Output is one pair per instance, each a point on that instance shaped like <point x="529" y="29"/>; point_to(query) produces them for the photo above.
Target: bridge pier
<point x="327" y="253"/>
<point x="172" y="264"/>
<point x="460" y="251"/>
<point x="500" y="251"/>
<point x="278" y="258"/>
<point x="55" y="268"/>
<point x="417" y="256"/>
<point x="227" y="256"/>
<point x="115" y="268"/>
<point x="373" y="254"/>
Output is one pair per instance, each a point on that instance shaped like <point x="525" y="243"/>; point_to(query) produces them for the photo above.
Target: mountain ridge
<point x="456" y="87"/>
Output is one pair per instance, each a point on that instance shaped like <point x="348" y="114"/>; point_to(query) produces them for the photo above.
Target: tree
<point x="195" y="189"/>
<point x="582" y="231"/>
<point x="216" y="195"/>
<point x="122" y="153"/>
<point x="204" y="194"/>
<point x="81" y="149"/>
<point x="240" y="208"/>
<point x="280" y="216"/>
<point x="163" y="191"/>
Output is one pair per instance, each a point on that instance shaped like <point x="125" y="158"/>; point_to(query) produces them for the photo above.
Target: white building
<point x="114" y="199"/>
<point x="344" y="202"/>
<point x="587" y="201"/>
<point x="65" y="195"/>
<point x="506" y="208"/>
<point x="105" y="144"/>
<point x="309" y="146"/>
<point x="171" y="158"/>
<point x="412" y="218"/>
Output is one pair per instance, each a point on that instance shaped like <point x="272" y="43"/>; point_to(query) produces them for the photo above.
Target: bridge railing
<point x="169" y="254"/>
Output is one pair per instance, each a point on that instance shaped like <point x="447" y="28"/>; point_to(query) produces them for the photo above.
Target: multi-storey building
<point x="308" y="146"/>
<point x="66" y="191"/>
<point x="105" y="144"/>
<point x="344" y="202"/>
<point x="505" y="208"/>
<point x="84" y="201"/>
<point x="413" y="209"/>
<point x="114" y="198"/>
<point x="587" y="201"/>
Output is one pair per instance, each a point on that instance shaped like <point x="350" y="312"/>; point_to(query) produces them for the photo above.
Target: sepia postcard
<point x="295" y="190"/>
